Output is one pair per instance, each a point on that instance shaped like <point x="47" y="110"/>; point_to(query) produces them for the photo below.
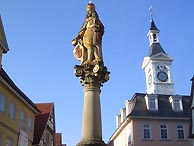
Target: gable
<point x="42" y="120"/>
<point x="161" y="56"/>
<point x="39" y="127"/>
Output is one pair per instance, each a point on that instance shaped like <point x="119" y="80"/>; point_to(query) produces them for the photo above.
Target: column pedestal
<point x="91" y="142"/>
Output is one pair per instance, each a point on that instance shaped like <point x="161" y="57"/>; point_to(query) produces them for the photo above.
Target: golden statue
<point x="88" y="42"/>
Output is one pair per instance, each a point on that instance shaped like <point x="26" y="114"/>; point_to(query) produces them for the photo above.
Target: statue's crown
<point x="90" y="6"/>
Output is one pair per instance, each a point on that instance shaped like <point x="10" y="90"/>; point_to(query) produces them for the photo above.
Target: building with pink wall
<point x="158" y="117"/>
<point x="143" y="125"/>
<point x="191" y="123"/>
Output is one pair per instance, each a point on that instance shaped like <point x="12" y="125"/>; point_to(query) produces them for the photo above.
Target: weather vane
<point x="151" y="13"/>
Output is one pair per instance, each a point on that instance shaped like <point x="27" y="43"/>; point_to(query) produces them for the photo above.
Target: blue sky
<point x="40" y="60"/>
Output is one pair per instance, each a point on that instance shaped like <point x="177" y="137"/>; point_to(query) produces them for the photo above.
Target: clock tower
<point x="157" y="65"/>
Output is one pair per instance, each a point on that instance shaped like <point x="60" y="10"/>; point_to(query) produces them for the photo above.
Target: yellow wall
<point x="10" y="127"/>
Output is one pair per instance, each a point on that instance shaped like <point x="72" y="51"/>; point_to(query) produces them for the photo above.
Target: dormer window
<point x="151" y="102"/>
<point x="176" y="103"/>
<point x="177" y="106"/>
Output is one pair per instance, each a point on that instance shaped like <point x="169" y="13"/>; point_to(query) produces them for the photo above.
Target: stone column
<point x="91" y="77"/>
<point x="91" y="122"/>
<point x="92" y="74"/>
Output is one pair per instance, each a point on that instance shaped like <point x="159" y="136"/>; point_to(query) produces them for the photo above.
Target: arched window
<point x="154" y="37"/>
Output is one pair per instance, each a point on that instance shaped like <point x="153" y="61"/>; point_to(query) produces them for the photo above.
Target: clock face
<point x="150" y="79"/>
<point x="162" y="76"/>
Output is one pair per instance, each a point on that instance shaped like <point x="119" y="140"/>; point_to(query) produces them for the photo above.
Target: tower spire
<point x="152" y="24"/>
<point x="157" y="65"/>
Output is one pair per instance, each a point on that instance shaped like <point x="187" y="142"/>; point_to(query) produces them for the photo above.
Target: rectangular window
<point x="163" y="132"/>
<point x="176" y="102"/>
<point x="129" y="139"/>
<point x="177" y="105"/>
<point x="146" y="131"/>
<point x="30" y="124"/>
<point x="23" y="138"/>
<point x="152" y="104"/>
<point x="2" y="103"/>
<point x="180" y="132"/>
<point x="12" y="111"/>
<point x="22" y="119"/>
<point x="8" y="142"/>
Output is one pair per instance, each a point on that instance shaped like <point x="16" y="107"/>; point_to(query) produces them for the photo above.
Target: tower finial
<point x="90" y="1"/>
<point x="151" y="13"/>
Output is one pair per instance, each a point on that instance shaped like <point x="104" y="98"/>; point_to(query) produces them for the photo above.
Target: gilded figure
<point x="88" y="42"/>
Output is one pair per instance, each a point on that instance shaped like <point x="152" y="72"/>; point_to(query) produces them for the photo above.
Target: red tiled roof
<point x="45" y="107"/>
<point x="41" y="120"/>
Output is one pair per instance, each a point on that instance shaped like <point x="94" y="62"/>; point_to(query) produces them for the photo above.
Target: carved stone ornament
<point x="92" y="75"/>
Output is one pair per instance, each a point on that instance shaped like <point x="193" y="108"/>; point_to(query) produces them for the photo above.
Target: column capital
<point x="92" y="75"/>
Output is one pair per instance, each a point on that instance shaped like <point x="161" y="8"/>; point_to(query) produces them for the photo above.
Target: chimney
<point x="123" y="114"/>
<point x="127" y="105"/>
<point x="118" y="120"/>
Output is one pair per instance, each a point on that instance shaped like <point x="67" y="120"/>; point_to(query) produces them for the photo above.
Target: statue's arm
<point x="80" y="34"/>
<point x="83" y="29"/>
